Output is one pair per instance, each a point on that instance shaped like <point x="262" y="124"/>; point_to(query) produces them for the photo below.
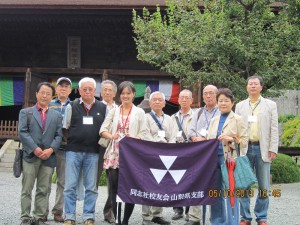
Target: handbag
<point x="225" y="177"/>
<point x="244" y="176"/>
<point x="18" y="161"/>
<point x="18" y="166"/>
<point x="104" y="142"/>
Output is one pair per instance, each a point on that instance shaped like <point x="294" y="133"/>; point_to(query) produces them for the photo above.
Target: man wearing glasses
<point x="182" y="121"/>
<point x="108" y="93"/>
<point x="198" y="132"/>
<point x="41" y="135"/>
<point x="63" y="90"/>
<point x="83" y="121"/>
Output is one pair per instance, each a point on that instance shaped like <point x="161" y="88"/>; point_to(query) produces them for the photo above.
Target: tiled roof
<point x="73" y="4"/>
<point x="91" y="4"/>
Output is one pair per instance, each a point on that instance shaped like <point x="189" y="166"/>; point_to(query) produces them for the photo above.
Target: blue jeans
<point x="262" y="170"/>
<point x="88" y="163"/>
<point x="222" y="213"/>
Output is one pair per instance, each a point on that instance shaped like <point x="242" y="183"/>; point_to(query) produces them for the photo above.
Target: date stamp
<point x="244" y="193"/>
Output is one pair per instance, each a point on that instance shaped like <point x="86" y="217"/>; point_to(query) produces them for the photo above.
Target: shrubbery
<point x="291" y="126"/>
<point x="285" y="170"/>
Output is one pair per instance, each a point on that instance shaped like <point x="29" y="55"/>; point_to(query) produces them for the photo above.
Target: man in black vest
<point x="83" y="121"/>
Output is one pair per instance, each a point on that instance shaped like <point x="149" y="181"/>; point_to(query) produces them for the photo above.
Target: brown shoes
<point x="262" y="223"/>
<point x="245" y="222"/>
<point x="109" y="219"/>
<point x="59" y="218"/>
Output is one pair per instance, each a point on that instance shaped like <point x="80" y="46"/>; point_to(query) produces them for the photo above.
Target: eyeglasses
<point x="157" y="99"/>
<point x="107" y="90"/>
<point x="208" y="93"/>
<point x="64" y="86"/>
<point x="87" y="89"/>
<point x="43" y="93"/>
<point x="184" y="97"/>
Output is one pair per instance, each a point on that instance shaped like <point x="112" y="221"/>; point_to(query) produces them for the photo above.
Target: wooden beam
<point x="137" y="72"/>
<point x="76" y="71"/>
<point x="82" y="71"/>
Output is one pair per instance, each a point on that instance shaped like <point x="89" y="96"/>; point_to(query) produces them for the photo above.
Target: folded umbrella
<point x="230" y="163"/>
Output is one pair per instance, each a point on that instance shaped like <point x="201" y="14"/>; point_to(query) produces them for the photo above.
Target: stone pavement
<point x="284" y="210"/>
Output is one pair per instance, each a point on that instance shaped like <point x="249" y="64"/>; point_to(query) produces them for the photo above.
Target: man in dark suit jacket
<point x="40" y="139"/>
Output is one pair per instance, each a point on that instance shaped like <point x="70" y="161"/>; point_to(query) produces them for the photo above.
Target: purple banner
<point x="160" y="174"/>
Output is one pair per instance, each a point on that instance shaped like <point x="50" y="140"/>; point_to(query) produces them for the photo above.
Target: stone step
<point x="10" y="155"/>
<point x="6" y="164"/>
<point x="8" y="159"/>
<point x="10" y="150"/>
<point x="6" y="169"/>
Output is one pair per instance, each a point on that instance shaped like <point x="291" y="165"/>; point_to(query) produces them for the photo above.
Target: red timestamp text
<point x="238" y="193"/>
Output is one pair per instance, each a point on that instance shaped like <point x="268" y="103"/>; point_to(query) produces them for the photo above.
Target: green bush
<point x="284" y="169"/>
<point x="284" y="118"/>
<point x="101" y="183"/>
<point x="291" y="136"/>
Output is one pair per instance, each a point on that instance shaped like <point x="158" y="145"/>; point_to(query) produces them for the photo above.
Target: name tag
<point x="252" y="119"/>
<point x="88" y="120"/>
<point x="179" y="134"/>
<point x="203" y="133"/>
<point x="161" y="133"/>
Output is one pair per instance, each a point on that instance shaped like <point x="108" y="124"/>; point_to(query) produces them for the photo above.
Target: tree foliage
<point x="224" y="44"/>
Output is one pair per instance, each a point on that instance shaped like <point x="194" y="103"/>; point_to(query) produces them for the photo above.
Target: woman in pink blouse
<point x="126" y="120"/>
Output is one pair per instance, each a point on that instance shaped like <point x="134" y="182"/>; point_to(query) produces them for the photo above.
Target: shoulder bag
<point x="17" y="167"/>
<point x="104" y="142"/>
<point x="244" y="176"/>
<point x="18" y="161"/>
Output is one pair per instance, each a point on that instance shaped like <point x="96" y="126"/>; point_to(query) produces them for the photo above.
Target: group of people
<point x="66" y="135"/>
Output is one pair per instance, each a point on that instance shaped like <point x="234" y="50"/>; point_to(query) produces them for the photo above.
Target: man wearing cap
<point x="63" y="90"/>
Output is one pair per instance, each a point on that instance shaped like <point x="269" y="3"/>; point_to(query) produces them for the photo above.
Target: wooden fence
<point x="9" y="129"/>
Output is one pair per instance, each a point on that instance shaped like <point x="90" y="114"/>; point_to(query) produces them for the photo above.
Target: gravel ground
<point x="284" y="210"/>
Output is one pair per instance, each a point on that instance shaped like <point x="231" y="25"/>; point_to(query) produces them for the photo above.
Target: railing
<point x="291" y="151"/>
<point x="9" y="129"/>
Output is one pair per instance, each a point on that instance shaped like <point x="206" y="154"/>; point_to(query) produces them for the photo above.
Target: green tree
<point x="224" y="44"/>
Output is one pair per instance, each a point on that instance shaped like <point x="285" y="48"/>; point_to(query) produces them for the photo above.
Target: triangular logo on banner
<point x="168" y="161"/>
<point x="177" y="174"/>
<point x="158" y="174"/>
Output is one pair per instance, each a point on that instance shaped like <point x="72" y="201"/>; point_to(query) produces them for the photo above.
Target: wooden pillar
<point x="105" y="75"/>
<point x="27" y="88"/>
